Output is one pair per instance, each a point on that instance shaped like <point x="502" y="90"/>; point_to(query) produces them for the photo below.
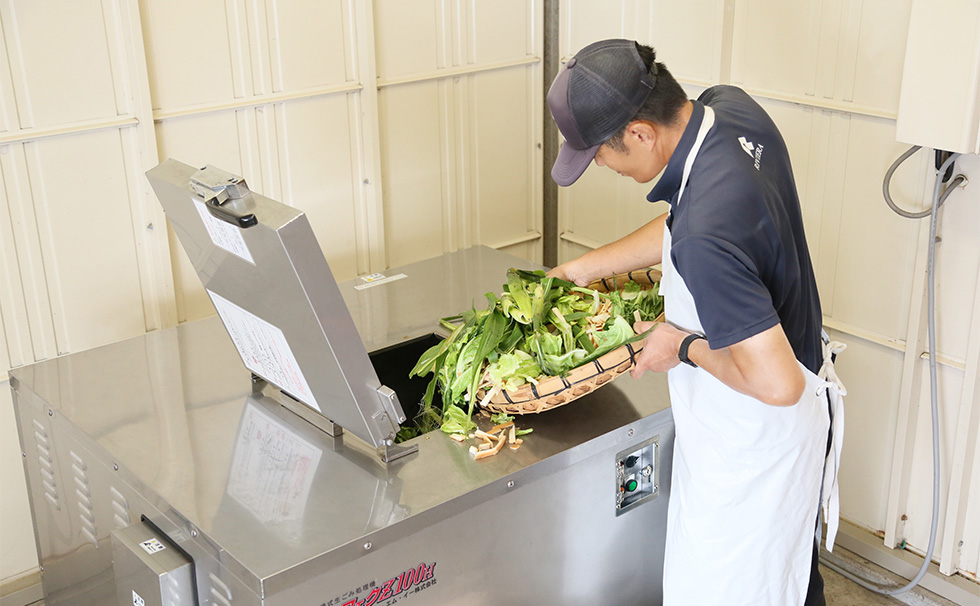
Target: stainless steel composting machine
<point x="247" y="460"/>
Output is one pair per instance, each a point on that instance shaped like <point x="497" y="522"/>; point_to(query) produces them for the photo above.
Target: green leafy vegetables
<point x="538" y="326"/>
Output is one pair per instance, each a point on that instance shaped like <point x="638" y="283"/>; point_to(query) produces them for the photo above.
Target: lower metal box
<point x="149" y="570"/>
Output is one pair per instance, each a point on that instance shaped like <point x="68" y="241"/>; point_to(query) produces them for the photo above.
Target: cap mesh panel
<point x="607" y="86"/>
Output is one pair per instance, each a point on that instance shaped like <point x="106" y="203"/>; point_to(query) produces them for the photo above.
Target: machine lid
<point x="266" y="275"/>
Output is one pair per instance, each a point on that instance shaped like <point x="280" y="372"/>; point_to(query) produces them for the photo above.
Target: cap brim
<point x="571" y="163"/>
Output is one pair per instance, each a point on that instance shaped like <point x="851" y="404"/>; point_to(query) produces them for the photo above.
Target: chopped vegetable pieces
<point x="537" y="326"/>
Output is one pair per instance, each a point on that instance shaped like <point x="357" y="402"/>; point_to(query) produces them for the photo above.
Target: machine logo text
<point x="395" y="589"/>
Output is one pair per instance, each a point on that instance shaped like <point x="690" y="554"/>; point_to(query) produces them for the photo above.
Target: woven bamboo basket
<point x="551" y="391"/>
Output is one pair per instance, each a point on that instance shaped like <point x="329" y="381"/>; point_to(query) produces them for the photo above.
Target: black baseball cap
<point x="593" y="97"/>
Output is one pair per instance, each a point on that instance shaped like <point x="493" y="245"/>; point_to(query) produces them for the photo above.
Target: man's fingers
<point x="642" y="326"/>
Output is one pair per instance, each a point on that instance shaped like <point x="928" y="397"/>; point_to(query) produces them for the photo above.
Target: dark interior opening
<point x="393" y="365"/>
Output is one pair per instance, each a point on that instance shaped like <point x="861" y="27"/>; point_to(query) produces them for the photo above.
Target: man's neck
<point x="673" y="134"/>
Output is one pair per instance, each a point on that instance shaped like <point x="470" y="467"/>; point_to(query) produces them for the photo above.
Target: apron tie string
<point x="835" y="390"/>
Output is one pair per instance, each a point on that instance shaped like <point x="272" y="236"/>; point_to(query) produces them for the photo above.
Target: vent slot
<point x="220" y="592"/>
<point x="120" y="508"/>
<point x="42" y="446"/>
<point x="83" y="491"/>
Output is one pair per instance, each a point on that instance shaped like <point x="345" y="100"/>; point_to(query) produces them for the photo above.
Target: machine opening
<point x="393" y="365"/>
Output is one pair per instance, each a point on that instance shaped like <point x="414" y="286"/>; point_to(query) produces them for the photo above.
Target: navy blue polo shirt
<point x="737" y="233"/>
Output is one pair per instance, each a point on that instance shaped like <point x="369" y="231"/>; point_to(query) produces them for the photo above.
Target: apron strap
<point x="835" y="390"/>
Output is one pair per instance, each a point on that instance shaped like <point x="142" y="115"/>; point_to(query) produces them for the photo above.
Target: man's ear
<point x="642" y="133"/>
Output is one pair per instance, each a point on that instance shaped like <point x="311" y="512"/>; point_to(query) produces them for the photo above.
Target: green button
<point x="631" y="486"/>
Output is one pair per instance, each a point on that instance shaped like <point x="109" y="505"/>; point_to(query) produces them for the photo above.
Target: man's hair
<point x="662" y="106"/>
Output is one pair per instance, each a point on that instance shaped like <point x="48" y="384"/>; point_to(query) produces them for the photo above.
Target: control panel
<point x="636" y="475"/>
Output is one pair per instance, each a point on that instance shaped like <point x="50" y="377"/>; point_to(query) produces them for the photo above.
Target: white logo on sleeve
<point x="754" y="151"/>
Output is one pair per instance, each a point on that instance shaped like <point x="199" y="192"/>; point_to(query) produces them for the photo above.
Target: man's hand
<point x="572" y="271"/>
<point x="659" y="348"/>
<point x="639" y="249"/>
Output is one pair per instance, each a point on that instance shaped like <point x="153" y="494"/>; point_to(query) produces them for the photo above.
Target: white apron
<point x="746" y="479"/>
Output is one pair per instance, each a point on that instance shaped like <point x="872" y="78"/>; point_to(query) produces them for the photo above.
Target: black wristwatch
<point x="685" y="345"/>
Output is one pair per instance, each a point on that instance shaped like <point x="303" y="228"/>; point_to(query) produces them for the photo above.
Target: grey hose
<point x="886" y="184"/>
<point x="938" y="196"/>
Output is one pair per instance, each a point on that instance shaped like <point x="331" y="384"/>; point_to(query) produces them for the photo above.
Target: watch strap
<point x="685" y="346"/>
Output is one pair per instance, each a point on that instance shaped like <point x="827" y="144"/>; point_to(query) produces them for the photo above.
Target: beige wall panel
<point x="919" y="502"/>
<point x="669" y="27"/>
<point x="845" y="51"/>
<point x="969" y="551"/>
<point x="17" y="551"/>
<point x="409" y="37"/>
<point x="876" y="248"/>
<point x="416" y="173"/>
<point x="525" y="250"/>
<point x="318" y="175"/>
<point x="446" y="141"/>
<point x="64" y="75"/>
<point x="569" y="250"/>
<point x="15" y="338"/>
<point x="591" y="207"/>
<point x="880" y="53"/>
<point x="873" y="376"/>
<point x="82" y="200"/>
<point x="957" y="259"/>
<point x="8" y="110"/>
<point x="308" y="44"/>
<point x="775" y="45"/>
<point x="500" y="30"/>
<point x="505" y="201"/>
<point x="189" y="50"/>
<point x="34" y="330"/>
<point x="4" y="356"/>
<point x="601" y="206"/>
<point x="211" y="138"/>
<point x="687" y="37"/>
<point x="585" y="21"/>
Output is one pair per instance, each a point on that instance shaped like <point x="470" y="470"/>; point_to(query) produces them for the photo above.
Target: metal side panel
<point x="64" y="483"/>
<point x="549" y="536"/>
<point x="79" y="499"/>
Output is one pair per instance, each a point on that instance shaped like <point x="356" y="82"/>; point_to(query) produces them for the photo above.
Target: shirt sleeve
<point x="732" y="301"/>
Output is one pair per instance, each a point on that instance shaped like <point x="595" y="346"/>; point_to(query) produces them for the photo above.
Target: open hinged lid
<point x="261" y="265"/>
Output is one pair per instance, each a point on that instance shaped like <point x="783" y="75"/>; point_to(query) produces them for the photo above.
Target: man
<point x="742" y="342"/>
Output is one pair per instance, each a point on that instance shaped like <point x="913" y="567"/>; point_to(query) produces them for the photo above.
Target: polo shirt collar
<point x="666" y="188"/>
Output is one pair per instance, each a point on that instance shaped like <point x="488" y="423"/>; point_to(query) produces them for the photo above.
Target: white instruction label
<point x="224" y="235"/>
<point x="152" y="546"/>
<point x="137" y="600"/>
<point x="264" y="349"/>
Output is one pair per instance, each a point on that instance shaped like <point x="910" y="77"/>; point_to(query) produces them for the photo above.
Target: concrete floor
<point x="841" y="591"/>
